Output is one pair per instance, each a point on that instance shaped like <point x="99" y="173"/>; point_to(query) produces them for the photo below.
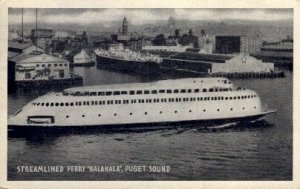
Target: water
<point x="262" y="151"/>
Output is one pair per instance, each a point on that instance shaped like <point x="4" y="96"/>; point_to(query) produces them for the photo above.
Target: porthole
<point x="83" y="115"/>
<point x="47" y="104"/>
<point x="204" y="110"/>
<point x="254" y="107"/>
<point x="175" y="111"/>
<point x="67" y="116"/>
<point x="42" y="104"/>
<point x="190" y="110"/>
<point x="56" y="104"/>
<point x="243" y="108"/>
<point x="146" y="113"/>
<point x="231" y="109"/>
<point x="99" y="115"/>
<point x="61" y="104"/>
<point x="115" y="114"/>
<point x="130" y="113"/>
<point x="218" y="110"/>
<point x="160" y="112"/>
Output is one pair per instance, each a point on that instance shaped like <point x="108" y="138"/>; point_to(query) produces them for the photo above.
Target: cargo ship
<point x="127" y="61"/>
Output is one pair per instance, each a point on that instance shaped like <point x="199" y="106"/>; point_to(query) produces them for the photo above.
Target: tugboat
<point x="124" y="60"/>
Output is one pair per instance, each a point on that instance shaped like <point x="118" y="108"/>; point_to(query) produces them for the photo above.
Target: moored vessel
<point x="127" y="61"/>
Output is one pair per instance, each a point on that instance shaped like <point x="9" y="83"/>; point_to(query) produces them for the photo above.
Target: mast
<point x="36" y="31"/>
<point x="22" y="25"/>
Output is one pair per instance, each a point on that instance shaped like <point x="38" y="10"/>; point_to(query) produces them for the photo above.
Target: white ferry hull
<point x="208" y="123"/>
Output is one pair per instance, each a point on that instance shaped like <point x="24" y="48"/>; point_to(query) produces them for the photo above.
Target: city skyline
<point x="144" y="16"/>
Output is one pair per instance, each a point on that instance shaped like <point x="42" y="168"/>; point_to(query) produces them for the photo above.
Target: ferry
<point x="128" y="61"/>
<point x="203" y="101"/>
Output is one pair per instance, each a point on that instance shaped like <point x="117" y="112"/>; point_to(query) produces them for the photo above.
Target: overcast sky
<point x="142" y="16"/>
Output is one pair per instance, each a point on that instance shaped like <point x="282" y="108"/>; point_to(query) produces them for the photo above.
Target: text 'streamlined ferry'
<point x="200" y="100"/>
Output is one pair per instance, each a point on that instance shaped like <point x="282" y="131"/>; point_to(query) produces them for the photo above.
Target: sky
<point x="144" y="16"/>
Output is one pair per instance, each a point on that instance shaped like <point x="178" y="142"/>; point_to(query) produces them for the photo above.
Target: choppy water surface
<point x="261" y="151"/>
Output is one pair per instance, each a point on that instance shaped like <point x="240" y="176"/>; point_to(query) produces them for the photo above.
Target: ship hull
<point x="206" y="124"/>
<point x="128" y="66"/>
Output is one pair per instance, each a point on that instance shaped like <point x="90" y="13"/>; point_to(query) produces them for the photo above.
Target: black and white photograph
<point x="150" y="94"/>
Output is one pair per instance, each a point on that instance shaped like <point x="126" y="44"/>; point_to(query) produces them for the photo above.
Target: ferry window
<point x="242" y="97"/>
<point x="87" y="103"/>
<point x="218" y="110"/>
<point x="116" y="101"/>
<point x="239" y="97"/>
<point x="204" y="110"/>
<point x="56" y="104"/>
<point x="43" y="65"/>
<point x="103" y="102"/>
<point x="66" y="64"/>
<point x="49" y="65"/>
<point x="130" y="113"/>
<point x="108" y="102"/>
<point x="234" y="97"/>
<point x="189" y="90"/>
<point x="37" y="65"/>
<point x="226" y="98"/>
<point x="154" y="91"/>
<point x="230" y="98"/>
<point x="183" y="91"/>
<point x="131" y="92"/>
<point x="170" y="100"/>
<point x="204" y="90"/>
<point x="190" y="110"/>
<point x="79" y="103"/>
<point x="162" y="91"/>
<point x="42" y="104"/>
<point x="175" y="111"/>
<point x="47" y="104"/>
<point x="86" y="94"/>
<point x="83" y="115"/>
<point x="67" y="104"/>
<point x="93" y="94"/>
<point x="62" y="104"/>
<point x="231" y="109"/>
<point x="101" y="93"/>
<point x="169" y="91"/>
<point x="84" y="103"/>
<point x="147" y="92"/>
<point x="145" y="113"/>
<point x="115" y="114"/>
<point x="55" y="65"/>
<point x="51" y="104"/>
<point x="123" y="92"/>
<point x="248" y="96"/>
<point x="92" y="102"/>
<point x="76" y="103"/>
<point x="139" y="92"/>
<point x="116" y="93"/>
<point x="150" y="100"/>
<point x="176" y="91"/>
<point x="160" y="112"/>
<point x="254" y="107"/>
<point x="196" y="90"/>
<point x="211" y="90"/>
<point x="60" y="64"/>
<point x="108" y="93"/>
<point x="99" y="115"/>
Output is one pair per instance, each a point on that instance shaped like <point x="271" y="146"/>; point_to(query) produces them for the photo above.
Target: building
<point x="235" y="44"/>
<point x="42" y="38"/>
<point x="22" y="48"/>
<point x="39" y="66"/>
<point x="216" y="63"/>
<point x="281" y="54"/>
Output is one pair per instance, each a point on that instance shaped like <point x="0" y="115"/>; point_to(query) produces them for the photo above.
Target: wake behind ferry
<point x="205" y="101"/>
